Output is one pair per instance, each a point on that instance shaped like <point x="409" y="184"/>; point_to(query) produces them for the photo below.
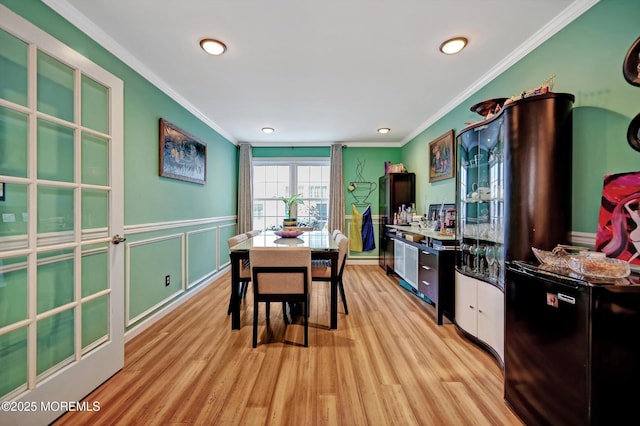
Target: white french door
<point x="61" y="205"/>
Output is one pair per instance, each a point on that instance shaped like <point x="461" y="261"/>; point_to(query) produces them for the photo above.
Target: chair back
<point x="335" y="233"/>
<point x="234" y="241"/>
<point x="281" y="270"/>
<point x="253" y="233"/>
<point x="343" y="251"/>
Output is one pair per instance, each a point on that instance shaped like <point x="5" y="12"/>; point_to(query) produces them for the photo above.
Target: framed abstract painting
<point x="619" y="220"/>
<point x="182" y="156"/>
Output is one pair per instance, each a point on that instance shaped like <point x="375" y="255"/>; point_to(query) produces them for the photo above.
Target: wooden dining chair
<point x="322" y="272"/>
<point x="335" y="233"/>
<point x="280" y="274"/>
<point x="253" y="233"/>
<point x="245" y="271"/>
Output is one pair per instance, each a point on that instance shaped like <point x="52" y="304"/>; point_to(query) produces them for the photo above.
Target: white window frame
<point x="293" y="163"/>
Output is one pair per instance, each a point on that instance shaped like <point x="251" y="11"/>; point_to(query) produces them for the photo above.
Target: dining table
<point x="323" y="248"/>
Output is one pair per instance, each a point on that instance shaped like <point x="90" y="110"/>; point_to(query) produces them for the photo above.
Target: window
<point x="273" y="178"/>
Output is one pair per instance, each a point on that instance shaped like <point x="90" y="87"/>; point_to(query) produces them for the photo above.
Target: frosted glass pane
<point x="13" y="290"/>
<point x="95" y="104"/>
<point x="13" y="143"/>
<point x="55" y="341"/>
<point x="55" y="152"/>
<point x="95" y="320"/>
<point x="55" y="279"/>
<point x="14" y="217"/>
<point x="55" y="210"/>
<point x="55" y="87"/>
<point x="94" y="209"/>
<point x="95" y="269"/>
<point x="13" y="359"/>
<point x="95" y="160"/>
<point x="13" y="68"/>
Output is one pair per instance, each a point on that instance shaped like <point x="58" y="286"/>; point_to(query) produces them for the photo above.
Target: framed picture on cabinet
<point x="182" y="156"/>
<point x="442" y="157"/>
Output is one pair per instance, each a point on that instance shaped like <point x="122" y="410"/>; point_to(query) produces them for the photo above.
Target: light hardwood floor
<point x="386" y="364"/>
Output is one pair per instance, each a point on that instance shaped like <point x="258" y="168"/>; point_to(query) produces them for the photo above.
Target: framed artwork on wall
<point x="619" y="220"/>
<point x="442" y="157"/>
<point x="182" y="156"/>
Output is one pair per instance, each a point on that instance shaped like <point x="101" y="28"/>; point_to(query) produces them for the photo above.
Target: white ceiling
<point x="319" y="71"/>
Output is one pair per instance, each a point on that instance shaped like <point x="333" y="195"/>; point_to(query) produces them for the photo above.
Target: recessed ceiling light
<point x="213" y="47"/>
<point x="384" y="130"/>
<point x="453" y="45"/>
<point x="268" y="130"/>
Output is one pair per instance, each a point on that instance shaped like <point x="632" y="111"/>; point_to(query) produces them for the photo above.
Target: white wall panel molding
<point x="160" y="226"/>
<point x="207" y="276"/>
<point x="129" y="247"/>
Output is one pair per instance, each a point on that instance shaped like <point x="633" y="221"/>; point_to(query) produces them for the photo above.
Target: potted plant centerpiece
<point x="290" y="202"/>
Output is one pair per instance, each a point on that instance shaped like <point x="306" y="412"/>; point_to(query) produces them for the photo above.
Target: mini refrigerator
<point x="572" y="347"/>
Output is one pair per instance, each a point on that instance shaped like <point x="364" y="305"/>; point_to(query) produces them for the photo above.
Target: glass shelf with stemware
<point x="481" y="202"/>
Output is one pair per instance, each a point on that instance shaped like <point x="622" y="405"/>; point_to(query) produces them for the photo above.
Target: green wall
<point x="586" y="57"/>
<point x="290" y="152"/>
<point x="369" y="162"/>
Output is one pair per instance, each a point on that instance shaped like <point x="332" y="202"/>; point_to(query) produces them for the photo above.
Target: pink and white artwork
<point x="619" y="221"/>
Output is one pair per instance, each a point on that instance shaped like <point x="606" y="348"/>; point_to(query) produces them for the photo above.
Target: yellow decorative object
<point x="355" y="230"/>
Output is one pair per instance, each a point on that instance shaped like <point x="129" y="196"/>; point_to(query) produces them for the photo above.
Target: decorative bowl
<point x="489" y="106"/>
<point x="289" y="233"/>
<point x="599" y="267"/>
<point x="550" y="258"/>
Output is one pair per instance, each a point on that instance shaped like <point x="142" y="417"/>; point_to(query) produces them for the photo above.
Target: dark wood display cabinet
<point x="394" y="190"/>
<point x="513" y="192"/>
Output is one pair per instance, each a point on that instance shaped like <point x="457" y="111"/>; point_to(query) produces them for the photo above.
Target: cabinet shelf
<point x="473" y="201"/>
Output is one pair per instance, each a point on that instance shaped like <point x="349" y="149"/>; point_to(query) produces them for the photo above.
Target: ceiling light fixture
<point x="213" y="47"/>
<point x="268" y="130"/>
<point x="453" y="45"/>
<point x="384" y="130"/>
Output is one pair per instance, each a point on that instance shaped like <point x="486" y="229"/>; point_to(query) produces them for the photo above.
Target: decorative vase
<point x="290" y="222"/>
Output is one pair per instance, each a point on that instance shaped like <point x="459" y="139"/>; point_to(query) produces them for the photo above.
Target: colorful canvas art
<point x="619" y="222"/>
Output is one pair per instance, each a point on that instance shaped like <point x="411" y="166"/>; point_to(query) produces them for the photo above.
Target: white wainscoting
<point x="143" y="320"/>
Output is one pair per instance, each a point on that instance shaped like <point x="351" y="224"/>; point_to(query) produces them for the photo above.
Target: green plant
<point x="290" y="201"/>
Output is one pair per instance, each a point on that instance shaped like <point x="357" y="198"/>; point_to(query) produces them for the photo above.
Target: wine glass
<point x="499" y="255"/>
<point x="490" y="255"/>
<point x="480" y="269"/>
<point x="471" y="264"/>
<point x="464" y="248"/>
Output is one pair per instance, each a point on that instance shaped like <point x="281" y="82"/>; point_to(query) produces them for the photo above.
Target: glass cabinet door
<point x="481" y="201"/>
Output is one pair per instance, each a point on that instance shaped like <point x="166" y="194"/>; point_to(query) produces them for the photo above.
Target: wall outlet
<point x="167" y="280"/>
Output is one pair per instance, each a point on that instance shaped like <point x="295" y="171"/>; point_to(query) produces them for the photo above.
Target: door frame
<point x="76" y="380"/>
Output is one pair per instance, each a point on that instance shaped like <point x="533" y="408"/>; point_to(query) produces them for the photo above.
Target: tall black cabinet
<point x="395" y="189"/>
<point x="513" y="193"/>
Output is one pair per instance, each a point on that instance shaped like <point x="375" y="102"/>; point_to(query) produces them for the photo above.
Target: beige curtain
<point x="245" y="194"/>
<point x="336" y="192"/>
